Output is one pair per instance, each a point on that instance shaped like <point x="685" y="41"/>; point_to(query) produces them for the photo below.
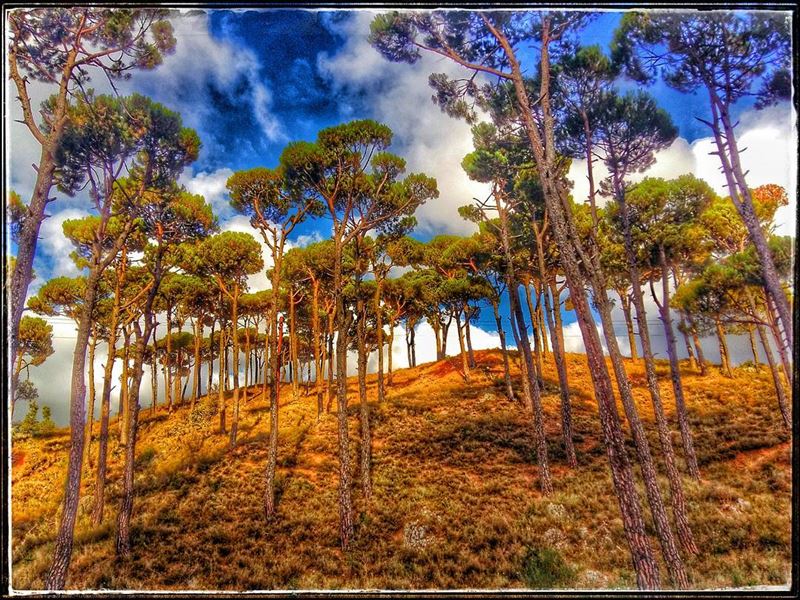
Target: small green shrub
<point x="544" y="568"/>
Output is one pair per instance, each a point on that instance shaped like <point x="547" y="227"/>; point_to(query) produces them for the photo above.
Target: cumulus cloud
<point x="211" y="185"/>
<point x="769" y="140"/>
<point x="57" y="247"/>
<point x="399" y="95"/>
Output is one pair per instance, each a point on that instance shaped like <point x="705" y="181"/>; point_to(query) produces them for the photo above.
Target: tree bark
<point x="379" y="332"/>
<point x="366" y="438"/>
<point x="87" y="444"/>
<point x="626" y="310"/>
<point x="57" y="574"/>
<point x="725" y="362"/>
<point x="674" y="369"/>
<point x="464" y="359"/>
<point x="198" y="339"/>
<point x="236" y="392"/>
<point x="565" y="236"/>
<point x="221" y="386"/>
<point x="504" y="350"/>
<point x="537" y="342"/>
<point x="468" y="337"/>
<point x="345" y="502"/>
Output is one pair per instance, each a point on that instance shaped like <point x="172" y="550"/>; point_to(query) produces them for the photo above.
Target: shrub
<point x="544" y="568"/>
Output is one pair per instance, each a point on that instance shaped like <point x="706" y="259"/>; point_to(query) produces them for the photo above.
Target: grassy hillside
<point x="456" y="502"/>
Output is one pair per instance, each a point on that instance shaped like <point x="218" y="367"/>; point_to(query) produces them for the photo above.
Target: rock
<point x="414" y="535"/>
<point x="557" y="511"/>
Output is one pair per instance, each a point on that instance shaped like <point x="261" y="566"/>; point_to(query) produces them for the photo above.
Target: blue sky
<point x="250" y="81"/>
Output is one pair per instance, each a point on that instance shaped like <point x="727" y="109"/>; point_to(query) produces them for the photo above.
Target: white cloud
<point x="399" y="96"/>
<point x="56" y="246"/>
<point x="211" y="185"/>
<point x="769" y="138"/>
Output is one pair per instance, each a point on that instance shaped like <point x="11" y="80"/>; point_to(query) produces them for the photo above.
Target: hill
<point x="456" y="502"/>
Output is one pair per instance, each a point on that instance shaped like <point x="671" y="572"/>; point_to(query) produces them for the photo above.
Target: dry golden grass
<point x="456" y="502"/>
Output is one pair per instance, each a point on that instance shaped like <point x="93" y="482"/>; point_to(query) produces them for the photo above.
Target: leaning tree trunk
<point x="626" y="310"/>
<point x="780" y="392"/>
<point x="779" y="341"/>
<point x="565" y="236"/>
<point x="675" y="374"/>
<point x="504" y="350"/>
<point x="57" y="575"/>
<point x="468" y="337"/>
<point x="740" y="194"/>
<point x="464" y="360"/>
<point x="724" y="357"/>
<point x="363" y="412"/>
<point x="87" y="444"/>
<point x="537" y="342"/>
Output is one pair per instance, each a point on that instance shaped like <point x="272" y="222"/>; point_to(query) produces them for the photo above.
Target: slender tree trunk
<point x="57" y="574"/>
<point x="437" y="332"/>
<point x="740" y="194"/>
<point x="210" y="381"/>
<point x="445" y="331"/>
<point x="221" y="386"/>
<point x="540" y="319"/>
<point x="626" y="310"/>
<point x="537" y="342"/>
<point x="379" y="333"/>
<point x="293" y="346"/>
<point x="776" y="335"/>
<point x="725" y="362"/>
<point x="168" y="382"/>
<point x="276" y="349"/>
<point x="198" y="339"/>
<point x="533" y="395"/>
<point x="391" y="351"/>
<point x="87" y="444"/>
<point x="464" y="360"/>
<point x="698" y="348"/>
<point x="408" y="344"/>
<point x="751" y="331"/>
<point x="561" y="368"/>
<point x="504" y="350"/>
<point x="330" y="360"/>
<point x="154" y="380"/>
<point x="318" y="358"/>
<point x="414" y="346"/>
<point x="569" y="244"/>
<point x="366" y="437"/>
<point x="235" y="365"/>
<point x="470" y="352"/>
<point x="345" y="502"/>
<point x="675" y="374"/>
<point x="780" y="392"/>
<point x="122" y="415"/>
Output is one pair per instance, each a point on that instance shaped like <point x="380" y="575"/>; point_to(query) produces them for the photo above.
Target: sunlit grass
<point x="456" y="501"/>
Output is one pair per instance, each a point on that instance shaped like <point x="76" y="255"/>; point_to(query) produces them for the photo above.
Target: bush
<point x="544" y="568"/>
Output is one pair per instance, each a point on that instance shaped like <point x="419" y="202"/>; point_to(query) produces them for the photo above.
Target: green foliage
<point x="60" y="296"/>
<point x="544" y="568"/>
<point x="35" y="341"/>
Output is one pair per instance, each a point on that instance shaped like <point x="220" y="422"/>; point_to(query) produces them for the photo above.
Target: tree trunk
<point x="470" y="352"/>
<point x="698" y="348"/>
<point x="57" y="574"/>
<point x="293" y="346"/>
<point x="379" y="332"/>
<point x="728" y="152"/>
<point x="221" y="386"/>
<point x="464" y="360"/>
<point x="725" y="362"/>
<point x="210" y="380"/>
<point x="318" y="359"/>
<point x="776" y="335"/>
<point x="537" y="342"/>
<point x="330" y="361"/>
<point x="122" y="415"/>
<point x="569" y="245"/>
<point x="626" y="310"/>
<point x="437" y="332"/>
<point x="198" y="339"/>
<point x="154" y="380"/>
<point x="275" y="351"/>
<point x="235" y="365"/>
<point x="751" y="331"/>
<point x="780" y="392"/>
<point x="366" y="438"/>
<point x="391" y="351"/>
<point x="504" y="350"/>
<point x="414" y="346"/>
<point x="345" y="503"/>
<point x="675" y="374"/>
<point x="87" y="444"/>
